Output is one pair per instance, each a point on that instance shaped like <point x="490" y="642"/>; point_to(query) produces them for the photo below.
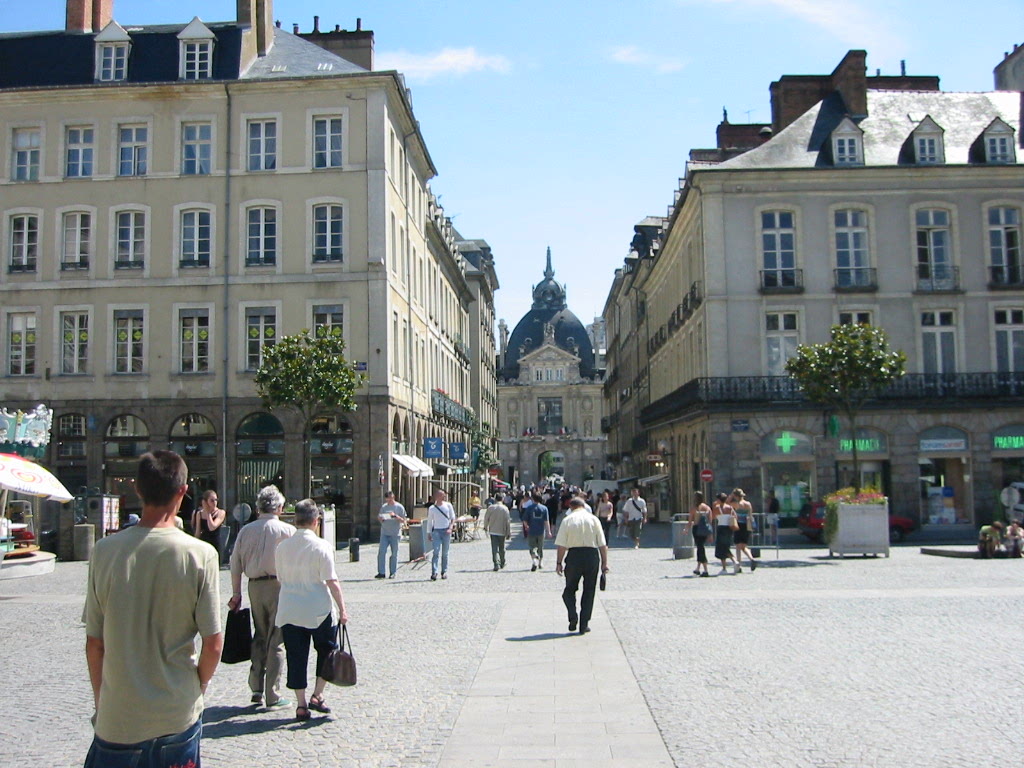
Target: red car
<point x="811" y="523"/>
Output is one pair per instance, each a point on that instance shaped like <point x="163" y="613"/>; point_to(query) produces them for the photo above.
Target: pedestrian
<point x="620" y="517"/>
<point x="306" y="611"/>
<point x="207" y="520"/>
<point x="583" y="550"/>
<point x="440" y="523"/>
<point x="498" y="523"/>
<point x="537" y="525"/>
<point x="392" y="517"/>
<point x="700" y="527"/>
<point x="1014" y="538"/>
<point x="744" y="525"/>
<point x="990" y="538"/>
<point x="725" y="524"/>
<point x="253" y="556"/>
<point x="150" y="591"/>
<point x="474" y="505"/>
<point x="606" y="513"/>
<point x="636" y="515"/>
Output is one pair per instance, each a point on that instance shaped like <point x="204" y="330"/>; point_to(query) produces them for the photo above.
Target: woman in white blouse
<point x="309" y="606"/>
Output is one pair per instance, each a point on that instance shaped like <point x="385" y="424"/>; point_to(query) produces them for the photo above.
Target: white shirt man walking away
<point x="582" y="547"/>
<point x="440" y="523"/>
<point x="636" y="515"/>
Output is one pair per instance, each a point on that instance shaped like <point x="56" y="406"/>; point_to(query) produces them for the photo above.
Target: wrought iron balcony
<point x="919" y="389"/>
<point x="937" y="278"/>
<point x="442" y="405"/>
<point x="1007" y="278"/>
<point x="782" y="281"/>
<point x="855" y="279"/>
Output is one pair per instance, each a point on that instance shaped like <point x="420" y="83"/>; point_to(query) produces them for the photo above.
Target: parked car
<point x="811" y="524"/>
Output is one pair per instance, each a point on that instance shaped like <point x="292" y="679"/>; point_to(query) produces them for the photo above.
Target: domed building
<point x="549" y="392"/>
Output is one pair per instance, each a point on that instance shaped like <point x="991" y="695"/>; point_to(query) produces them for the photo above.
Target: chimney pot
<point x="78" y="16"/>
<point x="277" y="23"/>
<point x="295" y="29"/>
<point x="337" y="27"/>
<point x="359" y="25"/>
<point x="316" y="25"/>
<point x="903" y="67"/>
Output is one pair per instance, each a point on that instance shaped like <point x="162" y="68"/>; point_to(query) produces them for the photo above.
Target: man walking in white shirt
<point x="391" y="516"/>
<point x="636" y="515"/>
<point x="440" y="523"/>
<point x="583" y="549"/>
<point x="498" y="524"/>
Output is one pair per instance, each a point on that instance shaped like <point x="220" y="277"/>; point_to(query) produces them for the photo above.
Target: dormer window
<point x="999" y="145"/>
<point x="928" y="145"/>
<point x="848" y="143"/>
<point x="113" y="45"/>
<point x="196" y="52"/>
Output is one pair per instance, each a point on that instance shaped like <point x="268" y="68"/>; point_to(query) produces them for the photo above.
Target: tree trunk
<point x="852" y="417"/>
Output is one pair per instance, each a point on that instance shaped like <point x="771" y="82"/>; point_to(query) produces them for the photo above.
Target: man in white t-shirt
<point x="636" y="515"/>
<point x="440" y="523"/>
<point x="391" y="516"/>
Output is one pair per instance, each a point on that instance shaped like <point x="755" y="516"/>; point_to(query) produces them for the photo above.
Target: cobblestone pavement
<point x="903" y="661"/>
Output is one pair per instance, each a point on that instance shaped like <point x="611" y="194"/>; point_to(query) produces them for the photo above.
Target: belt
<point x="264" y="578"/>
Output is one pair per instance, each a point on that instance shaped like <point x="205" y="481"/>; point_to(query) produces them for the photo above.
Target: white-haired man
<point x="253" y="555"/>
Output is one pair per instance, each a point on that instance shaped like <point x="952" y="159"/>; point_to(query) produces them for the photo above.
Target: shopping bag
<point x="340" y="665"/>
<point x="237" y="638"/>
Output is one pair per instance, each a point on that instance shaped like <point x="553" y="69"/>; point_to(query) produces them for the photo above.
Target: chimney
<point x="258" y="16"/>
<point x="78" y="16"/>
<point x="316" y="25"/>
<point x="102" y="14"/>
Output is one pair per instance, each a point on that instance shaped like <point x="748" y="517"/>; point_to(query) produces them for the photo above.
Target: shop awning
<point x="416" y="467"/>
<point x="652" y="479"/>
<point x="622" y="480"/>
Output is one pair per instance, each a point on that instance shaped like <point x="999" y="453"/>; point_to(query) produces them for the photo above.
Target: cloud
<point x="846" y="20"/>
<point x="448" y="61"/>
<point x="630" y="54"/>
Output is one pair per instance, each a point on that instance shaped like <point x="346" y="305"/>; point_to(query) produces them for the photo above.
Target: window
<point x="858" y="317"/>
<point x="999" y="148"/>
<point x="262" y="140"/>
<point x="853" y="260"/>
<point x="78" y="148"/>
<point x="195" y="239"/>
<point x="1009" y="325"/>
<point x="21" y="344"/>
<point x="328" y="320"/>
<point x="132" y="150"/>
<point x="194" y="340"/>
<point x="25" y="148"/>
<point x="934" y="260"/>
<point x="781" y="339"/>
<point x="129" y="341"/>
<point x="549" y="415"/>
<point x="778" y="249"/>
<point x="927" y="142"/>
<point x="71" y="429"/>
<point x="113" y="62"/>
<point x="847" y="150"/>
<point x="927" y="148"/>
<point x="1004" y="245"/>
<point x="260" y="333"/>
<point x="261" y="238"/>
<point x="197" y="59"/>
<point x="77" y="240"/>
<point x="938" y="342"/>
<point x="327" y="142"/>
<point x="131" y="240"/>
<point x="74" y="342"/>
<point x="327" y="233"/>
<point x="24" y="243"/>
<point x="196" y="148"/>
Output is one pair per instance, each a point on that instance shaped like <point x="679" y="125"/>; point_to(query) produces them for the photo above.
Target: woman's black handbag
<point x="237" y="638"/>
<point x="340" y="665"/>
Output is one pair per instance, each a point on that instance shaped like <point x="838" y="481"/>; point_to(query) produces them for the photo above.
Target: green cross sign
<point x="786" y="442"/>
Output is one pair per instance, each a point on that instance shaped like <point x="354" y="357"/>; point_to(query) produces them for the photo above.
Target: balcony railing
<point x="782" y="281"/>
<point x="937" y="278"/>
<point x="919" y="388"/>
<point x="442" y="405"/>
<point x="855" y="279"/>
<point x="1009" y="277"/>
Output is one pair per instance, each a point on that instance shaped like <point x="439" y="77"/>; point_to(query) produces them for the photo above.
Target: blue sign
<point x="433" y="448"/>
<point x="456" y="450"/>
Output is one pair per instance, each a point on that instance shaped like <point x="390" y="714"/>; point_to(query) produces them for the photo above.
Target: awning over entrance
<point x="652" y="479"/>
<point x="416" y="467"/>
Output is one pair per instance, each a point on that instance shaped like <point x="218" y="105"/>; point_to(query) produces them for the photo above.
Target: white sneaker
<point x="724" y="572"/>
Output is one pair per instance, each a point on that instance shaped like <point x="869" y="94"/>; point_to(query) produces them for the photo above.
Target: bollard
<point x="353" y="550"/>
<point x="85" y="539"/>
<point x="682" y="542"/>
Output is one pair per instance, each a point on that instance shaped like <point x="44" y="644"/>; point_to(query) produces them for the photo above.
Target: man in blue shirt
<point x="537" y="525"/>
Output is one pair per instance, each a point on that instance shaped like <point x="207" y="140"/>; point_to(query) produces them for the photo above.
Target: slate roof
<point x="892" y="118"/>
<point x="60" y="58"/>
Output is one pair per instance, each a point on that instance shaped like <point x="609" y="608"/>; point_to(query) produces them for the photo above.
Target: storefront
<point x="945" y="475"/>
<point x="330" y="470"/>
<point x="787" y="469"/>
<point x="872" y="456"/>
<point x="1008" y="465"/>
<point x="260" y="443"/>
<point x="126" y="439"/>
<point x="194" y="438"/>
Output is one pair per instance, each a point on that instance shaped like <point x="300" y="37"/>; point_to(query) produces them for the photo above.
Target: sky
<point x="563" y="123"/>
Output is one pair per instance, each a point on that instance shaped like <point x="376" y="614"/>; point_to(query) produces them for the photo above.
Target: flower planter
<point x="863" y="529"/>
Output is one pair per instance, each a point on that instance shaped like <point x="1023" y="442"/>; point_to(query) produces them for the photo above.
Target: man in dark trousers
<point x="584" y="551"/>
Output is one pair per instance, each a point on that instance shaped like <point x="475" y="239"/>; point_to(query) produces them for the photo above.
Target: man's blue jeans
<point x="441" y="541"/>
<point x="179" y="750"/>
<point x="385" y="542"/>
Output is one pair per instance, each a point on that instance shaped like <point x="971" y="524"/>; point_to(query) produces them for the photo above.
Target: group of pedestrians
<point x="729" y="521"/>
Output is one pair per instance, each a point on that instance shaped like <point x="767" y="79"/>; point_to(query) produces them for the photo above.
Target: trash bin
<point x="417" y="541"/>
<point x="353" y="550"/>
<point x="682" y="541"/>
<point x="84" y="538"/>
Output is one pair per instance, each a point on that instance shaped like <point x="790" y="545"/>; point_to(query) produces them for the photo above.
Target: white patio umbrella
<point x="23" y="476"/>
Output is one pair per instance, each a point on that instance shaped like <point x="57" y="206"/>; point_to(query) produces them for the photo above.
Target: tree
<point x="846" y="372"/>
<point x="308" y="375"/>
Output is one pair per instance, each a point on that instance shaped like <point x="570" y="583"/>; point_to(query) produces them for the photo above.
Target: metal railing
<point x="852" y="279"/>
<point x="937" y="278"/>
<point x="782" y="280"/>
<point x="1009" y="276"/>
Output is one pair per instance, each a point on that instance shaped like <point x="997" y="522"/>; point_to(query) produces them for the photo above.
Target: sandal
<point x="317" y="703"/>
<point x="302" y="713"/>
